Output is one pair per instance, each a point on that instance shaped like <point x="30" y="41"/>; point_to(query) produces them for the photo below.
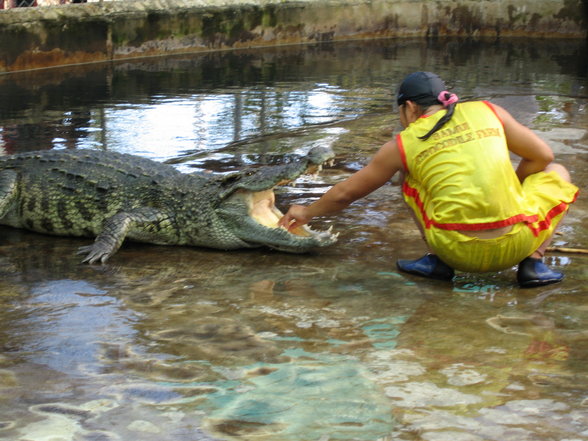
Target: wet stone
<point x="62" y="409"/>
<point x="536" y="407"/>
<point x="460" y="375"/>
<point x="436" y="424"/>
<point x="396" y="371"/>
<point x="218" y="339"/>
<point x="504" y="416"/>
<point x="241" y="428"/>
<point x="262" y="370"/>
<point x="144" y="393"/>
<point x="437" y="420"/>
<point x="99" y="436"/>
<point x="143" y="426"/>
<point x="7" y="378"/>
<point x="6" y="425"/>
<point x="450" y="436"/>
<point x="428" y="394"/>
<point x="196" y="391"/>
<point x="123" y="359"/>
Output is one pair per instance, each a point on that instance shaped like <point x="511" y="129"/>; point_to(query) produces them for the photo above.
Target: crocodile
<point x="115" y="196"/>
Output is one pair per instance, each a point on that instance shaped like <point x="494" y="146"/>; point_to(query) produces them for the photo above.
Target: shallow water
<point x="192" y="344"/>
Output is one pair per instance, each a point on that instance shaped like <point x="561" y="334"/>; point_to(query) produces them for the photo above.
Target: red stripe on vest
<point x="528" y="219"/>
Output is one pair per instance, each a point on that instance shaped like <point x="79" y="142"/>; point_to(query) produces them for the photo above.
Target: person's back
<point x="461" y="177"/>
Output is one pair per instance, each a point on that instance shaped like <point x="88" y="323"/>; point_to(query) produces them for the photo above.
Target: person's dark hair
<point x="427" y="89"/>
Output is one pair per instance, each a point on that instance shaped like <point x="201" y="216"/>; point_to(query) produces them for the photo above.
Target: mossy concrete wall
<point x="33" y="38"/>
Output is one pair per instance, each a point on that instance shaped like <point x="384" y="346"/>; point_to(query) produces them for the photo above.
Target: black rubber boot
<point x="429" y="266"/>
<point x="533" y="272"/>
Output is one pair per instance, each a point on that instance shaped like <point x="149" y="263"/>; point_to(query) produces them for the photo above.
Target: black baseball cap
<point x="421" y="87"/>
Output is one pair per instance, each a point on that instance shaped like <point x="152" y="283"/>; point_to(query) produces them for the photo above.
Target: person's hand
<point x="296" y="216"/>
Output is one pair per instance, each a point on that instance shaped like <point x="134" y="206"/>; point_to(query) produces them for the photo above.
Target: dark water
<point x="194" y="344"/>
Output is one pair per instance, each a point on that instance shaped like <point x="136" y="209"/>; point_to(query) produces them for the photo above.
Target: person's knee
<point x="560" y="170"/>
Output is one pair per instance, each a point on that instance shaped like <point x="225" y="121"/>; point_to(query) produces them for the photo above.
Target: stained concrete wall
<point x="33" y="38"/>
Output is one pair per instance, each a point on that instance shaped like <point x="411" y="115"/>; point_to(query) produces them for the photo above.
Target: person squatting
<point x="476" y="212"/>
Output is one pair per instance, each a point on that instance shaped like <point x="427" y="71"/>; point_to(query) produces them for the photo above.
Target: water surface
<point x="193" y="344"/>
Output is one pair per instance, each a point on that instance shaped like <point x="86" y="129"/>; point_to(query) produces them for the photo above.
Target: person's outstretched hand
<point x="296" y="216"/>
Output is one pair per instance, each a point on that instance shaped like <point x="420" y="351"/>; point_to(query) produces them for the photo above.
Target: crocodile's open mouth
<point x="253" y="217"/>
<point x="262" y="209"/>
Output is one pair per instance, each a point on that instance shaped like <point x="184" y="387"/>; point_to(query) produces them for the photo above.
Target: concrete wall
<point x="33" y="38"/>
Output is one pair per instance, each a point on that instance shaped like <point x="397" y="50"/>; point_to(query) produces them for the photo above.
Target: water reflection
<point x="185" y="343"/>
<point x="201" y="104"/>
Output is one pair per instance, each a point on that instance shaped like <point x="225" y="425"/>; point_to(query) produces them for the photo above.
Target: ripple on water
<point x="304" y="399"/>
<point x="176" y="336"/>
<point x="423" y="394"/>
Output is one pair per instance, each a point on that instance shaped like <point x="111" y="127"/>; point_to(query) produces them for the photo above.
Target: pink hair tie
<point x="446" y="98"/>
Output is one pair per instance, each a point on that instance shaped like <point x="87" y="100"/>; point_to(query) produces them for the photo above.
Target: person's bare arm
<point x="534" y="152"/>
<point x="385" y="163"/>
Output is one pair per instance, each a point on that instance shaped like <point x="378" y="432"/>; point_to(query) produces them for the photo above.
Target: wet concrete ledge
<point x="32" y="38"/>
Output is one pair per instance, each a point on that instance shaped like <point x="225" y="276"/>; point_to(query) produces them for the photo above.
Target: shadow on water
<point x="193" y="344"/>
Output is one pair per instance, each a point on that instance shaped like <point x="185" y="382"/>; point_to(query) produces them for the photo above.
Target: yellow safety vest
<point x="461" y="178"/>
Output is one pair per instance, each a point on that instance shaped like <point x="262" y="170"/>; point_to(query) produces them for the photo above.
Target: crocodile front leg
<point x="115" y="230"/>
<point x="8" y="186"/>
